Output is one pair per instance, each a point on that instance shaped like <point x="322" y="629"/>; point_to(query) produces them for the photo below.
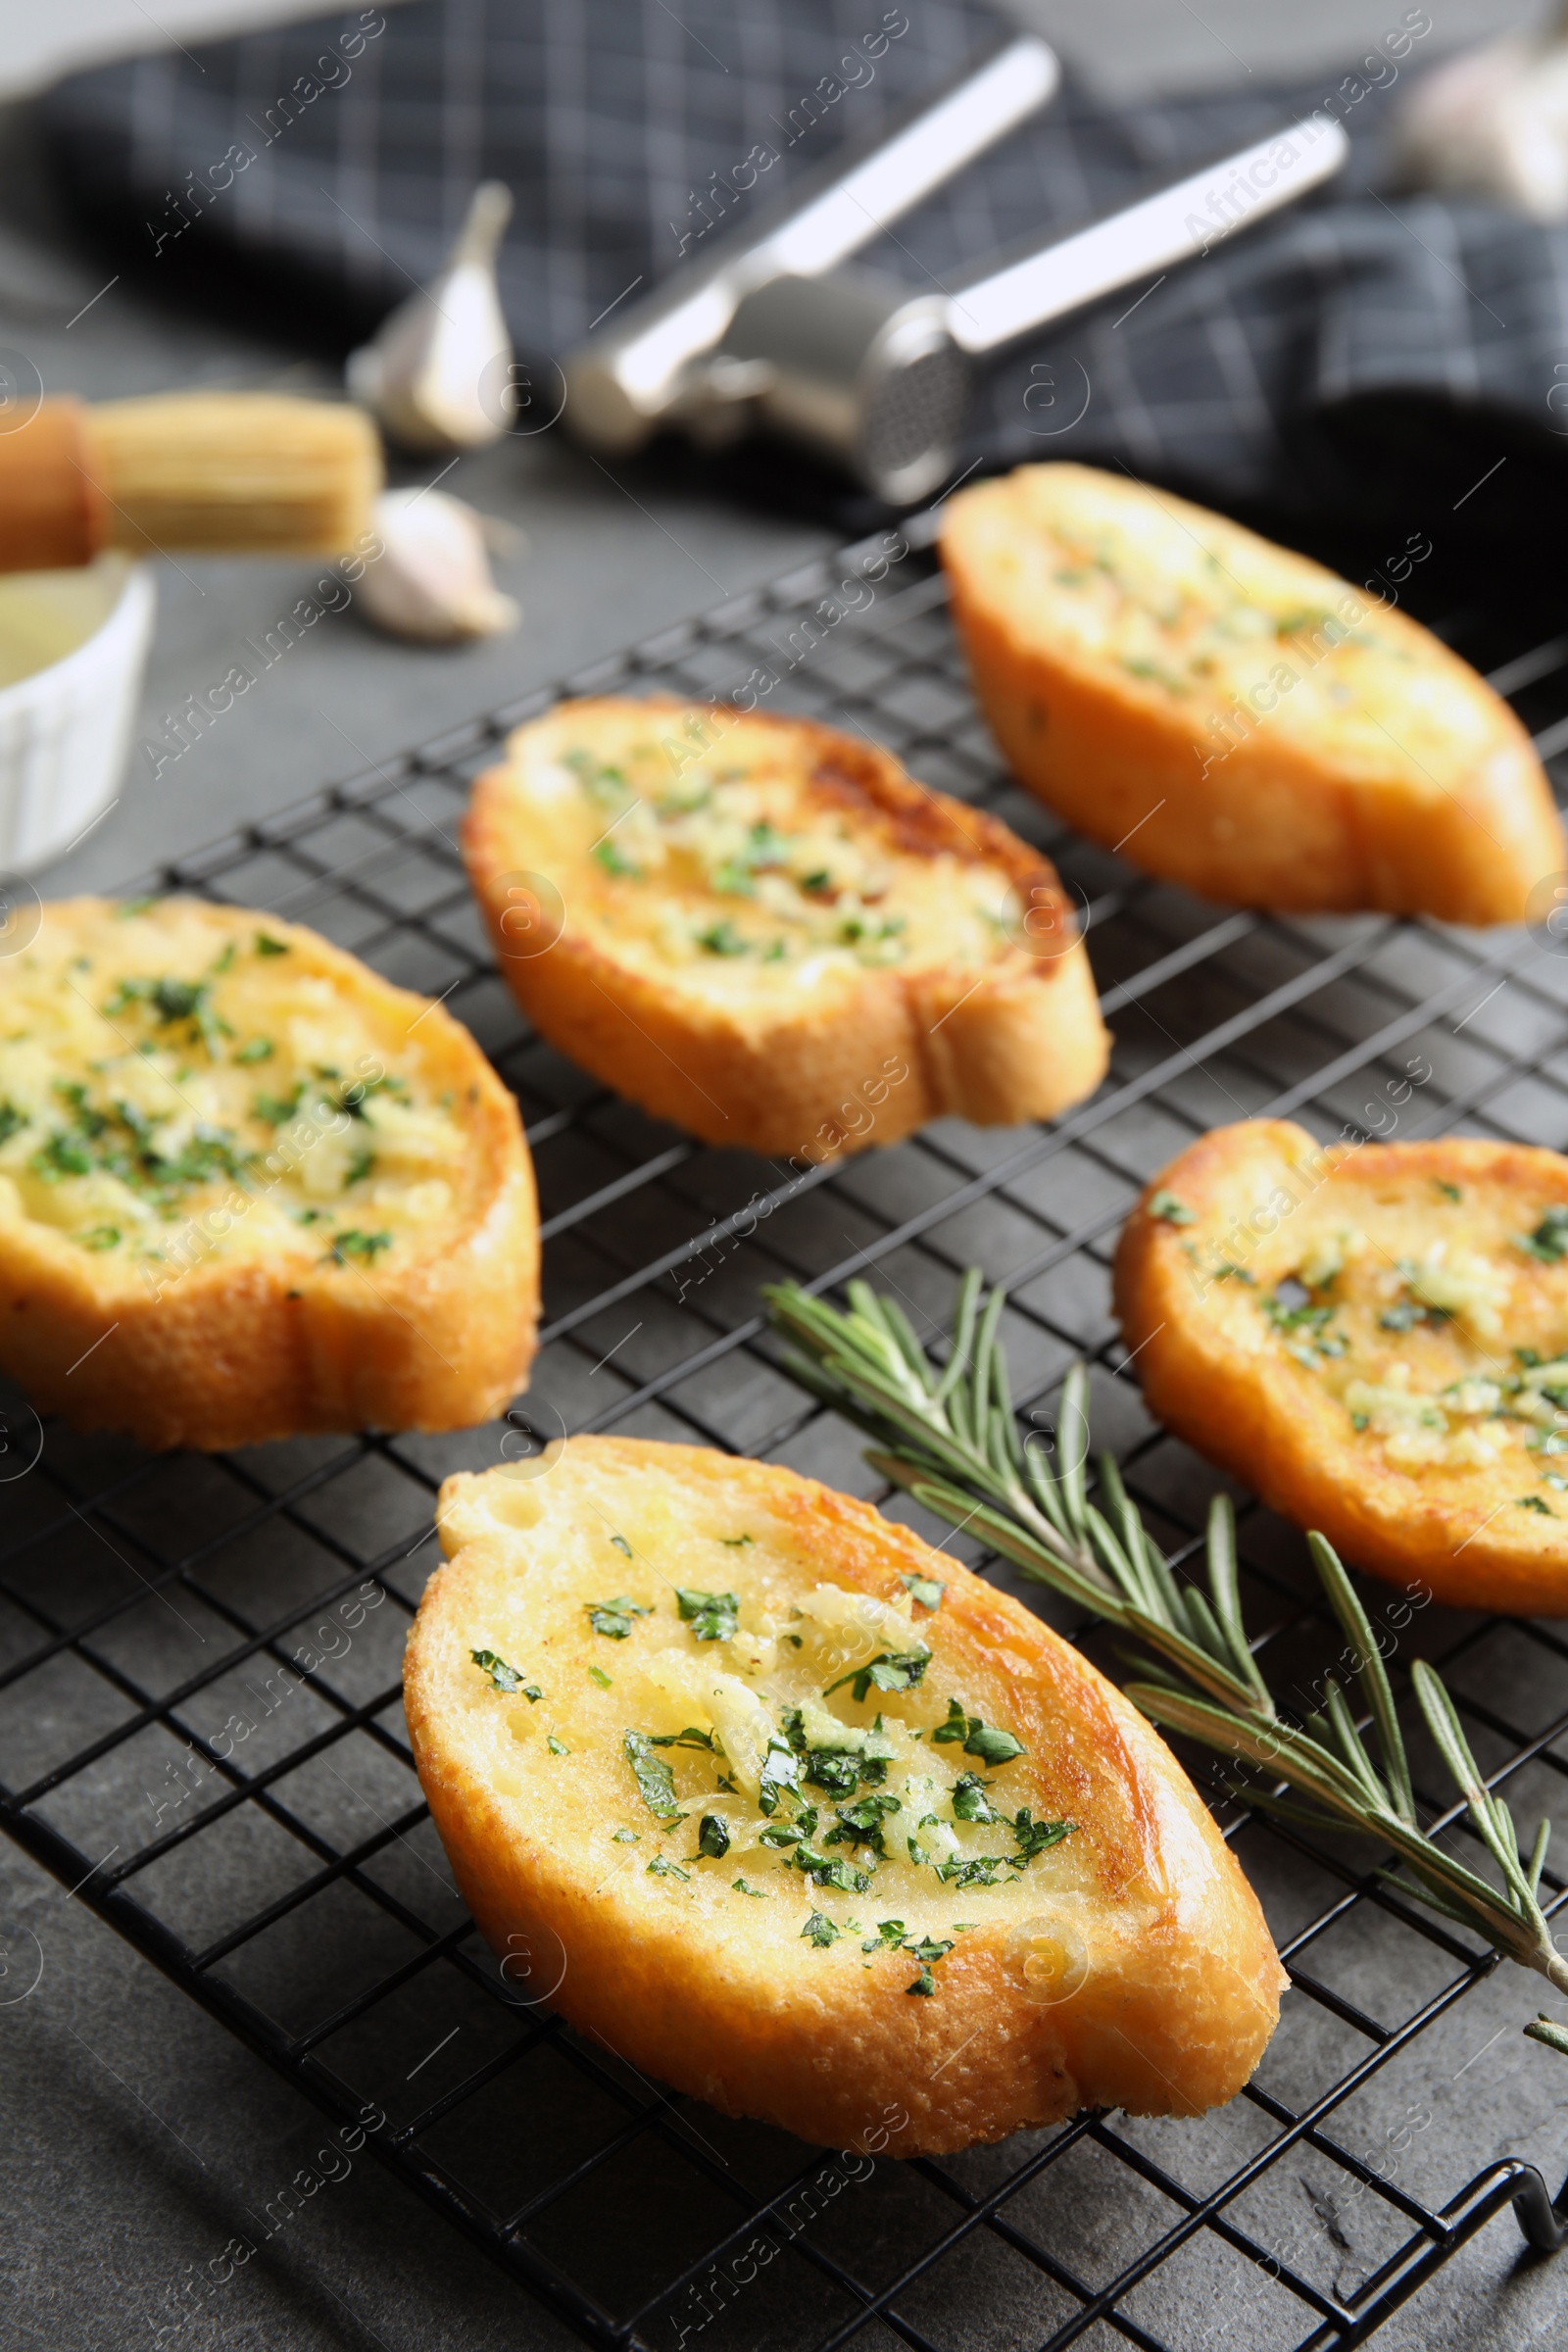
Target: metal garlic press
<point x="769" y="334"/>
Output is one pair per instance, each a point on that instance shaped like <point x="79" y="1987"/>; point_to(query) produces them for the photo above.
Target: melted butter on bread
<point x="1417" y="1318"/>
<point x="780" y="1885"/>
<point x="1182" y="607"/>
<point x="764" y="931"/>
<point x="752" y="867"/>
<point x="1375" y="1337"/>
<point x="1232" y="715"/>
<point x="177" y="1059"/>
<point x="249" y="1188"/>
<point x="794" y="1754"/>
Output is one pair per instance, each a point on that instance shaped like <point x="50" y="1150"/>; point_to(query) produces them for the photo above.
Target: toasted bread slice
<point x="1241" y="720"/>
<point x="966" y="1882"/>
<point x="1374" y="1338"/>
<point x="248" y="1188"/>
<point x="765" y="932"/>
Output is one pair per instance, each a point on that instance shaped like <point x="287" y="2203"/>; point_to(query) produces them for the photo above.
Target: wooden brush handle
<point x="53" y="511"/>
<point x="215" y="471"/>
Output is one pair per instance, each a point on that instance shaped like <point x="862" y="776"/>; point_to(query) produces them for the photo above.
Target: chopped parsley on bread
<point x="1375" y="1338"/>
<point x="248" y="1188"/>
<point x="803" y="1818"/>
<point x="758" y="920"/>
<point x="1233" y="716"/>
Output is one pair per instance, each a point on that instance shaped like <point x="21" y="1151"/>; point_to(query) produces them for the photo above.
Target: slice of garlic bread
<point x="1375" y="1338"/>
<point x="248" y="1188"/>
<point x="1242" y="721"/>
<point x="767" y="933"/>
<point x="800" y="1816"/>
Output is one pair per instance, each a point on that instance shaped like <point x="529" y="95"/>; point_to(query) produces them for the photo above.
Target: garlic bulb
<point x="1493" y="122"/>
<point x="432" y="578"/>
<point x="435" y="376"/>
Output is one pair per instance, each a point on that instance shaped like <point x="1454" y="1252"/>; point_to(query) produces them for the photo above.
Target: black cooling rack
<point x="200" y="1728"/>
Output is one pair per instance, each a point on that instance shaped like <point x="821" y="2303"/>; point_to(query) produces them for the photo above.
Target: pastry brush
<point x="257" y="472"/>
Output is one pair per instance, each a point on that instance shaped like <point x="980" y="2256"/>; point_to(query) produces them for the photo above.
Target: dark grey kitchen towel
<point x="1355" y="354"/>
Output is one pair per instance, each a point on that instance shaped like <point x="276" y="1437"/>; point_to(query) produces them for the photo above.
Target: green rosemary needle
<point x="948" y="1434"/>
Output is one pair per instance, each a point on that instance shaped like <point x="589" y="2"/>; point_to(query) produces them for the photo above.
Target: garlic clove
<point x="435" y="376"/>
<point x="1492" y="122"/>
<point x="431" y="580"/>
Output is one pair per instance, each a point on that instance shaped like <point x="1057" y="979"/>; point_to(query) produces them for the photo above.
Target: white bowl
<point x="66" y="728"/>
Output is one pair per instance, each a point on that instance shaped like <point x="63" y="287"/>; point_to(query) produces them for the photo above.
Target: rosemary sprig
<point x="948" y="1434"/>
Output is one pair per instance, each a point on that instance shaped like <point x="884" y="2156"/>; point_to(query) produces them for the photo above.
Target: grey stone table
<point x="135" y="2138"/>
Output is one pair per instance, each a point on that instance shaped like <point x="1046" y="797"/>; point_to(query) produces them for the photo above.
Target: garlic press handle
<point x="1188" y="218"/>
<point x="624" y="382"/>
<point x="920" y="158"/>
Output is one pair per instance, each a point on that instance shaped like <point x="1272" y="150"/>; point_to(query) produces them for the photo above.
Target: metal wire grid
<point x="267" y="1847"/>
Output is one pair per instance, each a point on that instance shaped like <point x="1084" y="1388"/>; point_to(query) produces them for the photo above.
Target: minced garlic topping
<point x="730" y="863"/>
<point x="751" y="1743"/>
<point x="1437" y="1323"/>
<point x="1186" y="608"/>
<point x="168" y="1095"/>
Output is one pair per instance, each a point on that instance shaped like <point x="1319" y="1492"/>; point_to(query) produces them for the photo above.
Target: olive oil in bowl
<point x="44" y="615"/>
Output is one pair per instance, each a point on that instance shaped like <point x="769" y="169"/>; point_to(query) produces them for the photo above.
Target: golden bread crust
<point x="864" y="1058"/>
<point x="716" y="1993"/>
<point x="1451" y="1481"/>
<point x="211" y="1344"/>
<point x="1373" y="769"/>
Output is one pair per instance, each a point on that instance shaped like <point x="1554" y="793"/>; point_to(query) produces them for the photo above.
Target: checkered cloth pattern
<point x="616" y="121"/>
